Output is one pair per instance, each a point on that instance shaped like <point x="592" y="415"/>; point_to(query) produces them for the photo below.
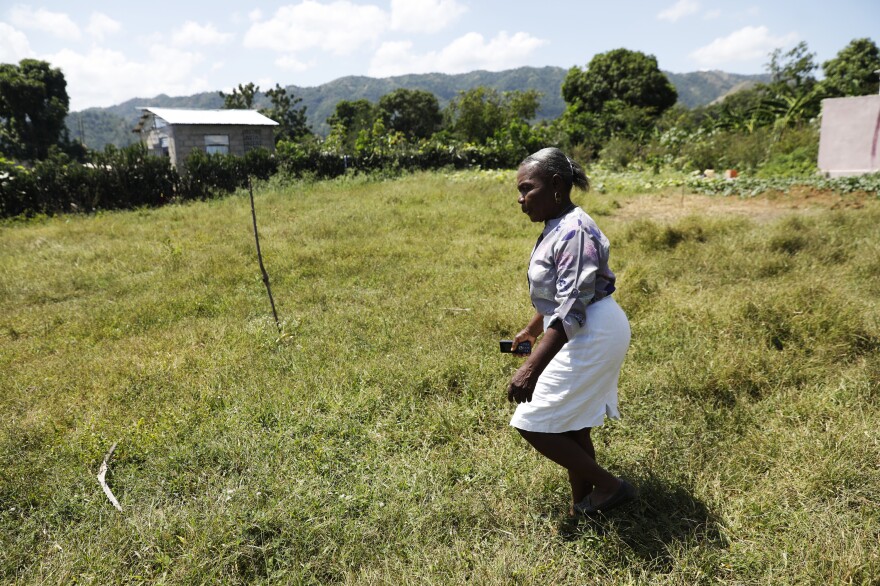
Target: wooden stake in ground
<point x="260" y="257"/>
<point x="102" y="473"/>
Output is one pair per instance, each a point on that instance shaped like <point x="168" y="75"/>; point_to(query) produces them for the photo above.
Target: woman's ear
<point x="558" y="183"/>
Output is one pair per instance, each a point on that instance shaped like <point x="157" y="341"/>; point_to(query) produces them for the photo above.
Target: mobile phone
<point x="522" y="347"/>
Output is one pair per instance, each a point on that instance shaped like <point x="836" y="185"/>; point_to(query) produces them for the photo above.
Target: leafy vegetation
<point x="369" y="444"/>
<point x="620" y="94"/>
<point x="122" y="179"/>
<point x="757" y="186"/>
<point x="282" y="109"/>
<point x="413" y="113"/>
<point x="694" y="89"/>
<point x="619" y="112"/>
<point x="33" y="105"/>
<point x="853" y="72"/>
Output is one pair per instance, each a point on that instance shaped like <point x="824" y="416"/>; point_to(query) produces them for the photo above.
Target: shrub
<point x="619" y="153"/>
<point x="113" y="179"/>
<point x="122" y="179"/>
<point x="793" y="154"/>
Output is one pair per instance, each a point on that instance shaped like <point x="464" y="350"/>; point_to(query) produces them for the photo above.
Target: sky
<point x="111" y="51"/>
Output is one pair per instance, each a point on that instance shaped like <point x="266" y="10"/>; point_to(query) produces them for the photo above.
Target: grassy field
<point x="369" y="444"/>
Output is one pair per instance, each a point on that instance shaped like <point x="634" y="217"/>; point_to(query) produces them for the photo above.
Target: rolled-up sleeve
<point x="577" y="263"/>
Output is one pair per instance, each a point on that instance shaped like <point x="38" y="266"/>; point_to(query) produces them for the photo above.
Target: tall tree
<point x="291" y="120"/>
<point x="349" y="119"/>
<point x="852" y="71"/>
<point x="480" y="113"/>
<point x="620" y="92"/>
<point x="793" y="94"/>
<point x="241" y="98"/>
<point x="414" y="113"/>
<point x="791" y="72"/>
<point x="33" y="105"/>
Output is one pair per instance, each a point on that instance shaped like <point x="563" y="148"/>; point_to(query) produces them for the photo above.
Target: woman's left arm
<point x="526" y="377"/>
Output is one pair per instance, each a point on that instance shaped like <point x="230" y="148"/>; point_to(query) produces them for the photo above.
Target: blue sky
<point x="111" y="51"/>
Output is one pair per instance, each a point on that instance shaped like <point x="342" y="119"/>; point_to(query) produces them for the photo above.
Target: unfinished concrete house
<point x="849" y="139"/>
<point x="174" y="132"/>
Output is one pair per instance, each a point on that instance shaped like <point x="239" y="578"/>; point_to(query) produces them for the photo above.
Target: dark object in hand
<point x="522" y="347"/>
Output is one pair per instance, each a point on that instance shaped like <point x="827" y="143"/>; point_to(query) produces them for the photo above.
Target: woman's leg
<point x="582" y="467"/>
<point x="580" y="487"/>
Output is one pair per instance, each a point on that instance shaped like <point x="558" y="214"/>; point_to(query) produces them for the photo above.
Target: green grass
<point x="371" y="446"/>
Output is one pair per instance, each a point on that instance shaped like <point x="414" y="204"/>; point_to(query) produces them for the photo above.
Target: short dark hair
<point x="553" y="161"/>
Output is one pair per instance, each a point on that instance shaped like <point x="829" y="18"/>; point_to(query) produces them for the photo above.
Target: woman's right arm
<point x="531" y="332"/>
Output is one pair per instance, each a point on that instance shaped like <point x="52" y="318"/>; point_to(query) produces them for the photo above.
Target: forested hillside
<point x="99" y="126"/>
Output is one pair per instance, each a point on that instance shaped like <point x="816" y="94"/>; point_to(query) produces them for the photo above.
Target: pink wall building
<point x="848" y="139"/>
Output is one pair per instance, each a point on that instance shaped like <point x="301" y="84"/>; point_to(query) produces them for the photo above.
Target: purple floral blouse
<point x="569" y="270"/>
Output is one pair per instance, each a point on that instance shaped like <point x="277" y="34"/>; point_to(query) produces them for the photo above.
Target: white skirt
<point x="578" y="388"/>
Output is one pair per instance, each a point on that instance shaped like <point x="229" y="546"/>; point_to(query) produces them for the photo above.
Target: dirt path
<point x="761" y="208"/>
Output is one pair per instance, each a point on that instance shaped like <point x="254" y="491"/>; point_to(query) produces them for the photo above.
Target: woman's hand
<point x="522" y="385"/>
<point x="524" y="380"/>
<point x="530" y="333"/>
<point x="524" y="336"/>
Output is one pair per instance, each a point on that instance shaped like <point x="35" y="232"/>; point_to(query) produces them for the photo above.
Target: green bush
<point x="619" y="153"/>
<point x="793" y="154"/>
<point x="113" y="179"/>
<point x="210" y="175"/>
<point x="749" y="187"/>
<point x="763" y="151"/>
<point x="799" y="163"/>
<point x="312" y="160"/>
<point x="126" y="178"/>
<point x="123" y="179"/>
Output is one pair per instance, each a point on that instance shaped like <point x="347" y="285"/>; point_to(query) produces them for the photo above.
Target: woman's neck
<point x="566" y="207"/>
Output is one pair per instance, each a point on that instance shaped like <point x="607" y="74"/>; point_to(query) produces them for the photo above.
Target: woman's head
<point x="544" y="182"/>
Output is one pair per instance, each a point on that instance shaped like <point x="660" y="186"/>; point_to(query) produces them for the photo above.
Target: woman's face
<point x="536" y="193"/>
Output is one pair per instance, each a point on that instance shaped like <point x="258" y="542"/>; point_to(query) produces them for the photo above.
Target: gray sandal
<point x="625" y="493"/>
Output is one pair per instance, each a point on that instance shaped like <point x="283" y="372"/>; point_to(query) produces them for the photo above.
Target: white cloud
<point x="14" y="44"/>
<point x="424" y="16"/>
<point x="751" y="42"/>
<point x="291" y="63"/>
<point x="255" y="14"/>
<point x="712" y="14"/>
<point x="193" y="33"/>
<point x="100" y="25"/>
<point x="56" y="23"/>
<point x="464" y="54"/>
<point x="339" y="27"/>
<point x="678" y="10"/>
<point x="103" y="77"/>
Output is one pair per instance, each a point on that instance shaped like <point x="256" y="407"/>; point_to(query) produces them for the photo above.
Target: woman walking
<point x="568" y="384"/>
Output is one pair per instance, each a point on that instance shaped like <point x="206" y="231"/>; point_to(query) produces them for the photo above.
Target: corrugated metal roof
<point x="236" y="117"/>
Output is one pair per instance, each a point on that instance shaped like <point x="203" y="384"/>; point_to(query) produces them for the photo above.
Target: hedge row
<point x="131" y="177"/>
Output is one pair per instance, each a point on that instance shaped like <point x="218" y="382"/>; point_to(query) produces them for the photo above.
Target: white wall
<point x="849" y="140"/>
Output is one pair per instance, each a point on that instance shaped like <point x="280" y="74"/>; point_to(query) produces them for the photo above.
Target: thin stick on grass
<point x="260" y="257"/>
<point x="102" y="474"/>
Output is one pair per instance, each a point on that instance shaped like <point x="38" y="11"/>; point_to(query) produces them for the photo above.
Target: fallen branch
<point x="102" y="473"/>
<point x="260" y="257"/>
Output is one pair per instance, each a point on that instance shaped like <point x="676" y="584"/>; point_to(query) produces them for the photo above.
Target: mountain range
<point x="96" y="127"/>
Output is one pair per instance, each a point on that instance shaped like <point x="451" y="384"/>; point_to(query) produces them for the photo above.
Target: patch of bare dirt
<point x="766" y="207"/>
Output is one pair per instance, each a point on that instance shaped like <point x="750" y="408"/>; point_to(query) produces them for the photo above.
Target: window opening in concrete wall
<point x="217" y="144"/>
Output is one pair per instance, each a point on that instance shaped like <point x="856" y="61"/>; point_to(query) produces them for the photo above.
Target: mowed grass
<point x="369" y="445"/>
